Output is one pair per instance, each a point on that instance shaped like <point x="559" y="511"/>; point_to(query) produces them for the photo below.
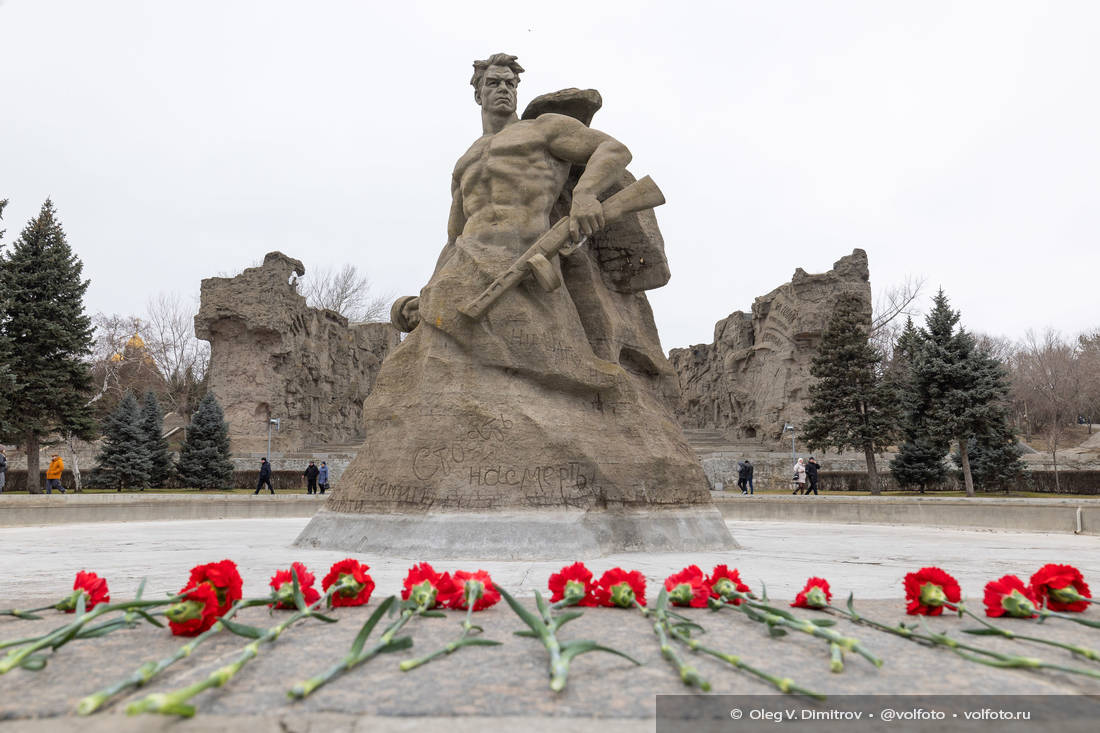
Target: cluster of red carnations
<point x="213" y="588"/>
<point x="626" y="589"/>
<point x="930" y="590"/>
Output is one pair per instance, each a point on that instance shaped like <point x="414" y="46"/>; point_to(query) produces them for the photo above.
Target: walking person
<point x="3" y="469"/>
<point x="799" y="477"/>
<point x="748" y="464"/>
<point x="53" y="475"/>
<point x="311" y="474"/>
<point x="322" y="476"/>
<point x="265" y="477"/>
<point x="742" y="477"/>
<point x="811" y="474"/>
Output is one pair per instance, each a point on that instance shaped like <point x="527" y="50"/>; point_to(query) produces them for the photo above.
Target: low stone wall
<point x="1028" y="515"/>
<point x="21" y="510"/>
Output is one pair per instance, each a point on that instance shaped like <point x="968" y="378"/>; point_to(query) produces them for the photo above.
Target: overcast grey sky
<point x="958" y="140"/>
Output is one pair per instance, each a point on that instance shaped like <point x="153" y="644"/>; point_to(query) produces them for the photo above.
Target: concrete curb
<point x="25" y="510"/>
<point x="1032" y="515"/>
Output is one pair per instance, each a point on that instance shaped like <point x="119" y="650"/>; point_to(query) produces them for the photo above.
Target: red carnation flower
<point x="1061" y="587"/>
<point x="92" y="587"/>
<point x="489" y="595"/>
<point x="283" y="583"/>
<point x="687" y="588"/>
<point x="357" y="584"/>
<point x="723" y="581"/>
<point x="816" y="594"/>
<point x="930" y="589"/>
<point x="576" y="581"/>
<point x="1009" y="596"/>
<point x="620" y="588"/>
<point x="427" y="587"/>
<point x="196" y="613"/>
<point x="224" y="577"/>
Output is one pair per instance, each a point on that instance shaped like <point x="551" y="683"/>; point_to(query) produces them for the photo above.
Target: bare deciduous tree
<point x="1089" y="355"/>
<point x="346" y="292"/>
<point x="1048" y="373"/>
<point x="887" y="309"/>
<point x="168" y="334"/>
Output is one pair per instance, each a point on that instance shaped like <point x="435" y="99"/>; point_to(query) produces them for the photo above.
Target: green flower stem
<point x="836" y="657"/>
<point x="72" y="630"/>
<point x="544" y="627"/>
<point x="773" y="617"/>
<point x="468" y="628"/>
<point x="386" y="643"/>
<point x="175" y="703"/>
<point x="991" y="630"/>
<point x="678" y="631"/>
<point x="664" y="631"/>
<point x="146" y="672"/>
<point x="27" y="614"/>
<point x="969" y="652"/>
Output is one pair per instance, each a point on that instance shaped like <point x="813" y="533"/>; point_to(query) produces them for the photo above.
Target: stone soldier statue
<point x="547" y="416"/>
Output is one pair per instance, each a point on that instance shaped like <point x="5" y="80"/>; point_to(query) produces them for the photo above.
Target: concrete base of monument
<point x="521" y="535"/>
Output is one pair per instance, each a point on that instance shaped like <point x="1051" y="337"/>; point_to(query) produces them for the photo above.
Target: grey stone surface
<point x="520" y="535"/>
<point x="272" y="356"/>
<point x="511" y="680"/>
<point x="755" y="377"/>
<point x="552" y="400"/>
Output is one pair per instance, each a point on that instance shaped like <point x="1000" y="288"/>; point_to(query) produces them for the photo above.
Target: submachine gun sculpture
<point x="638" y="196"/>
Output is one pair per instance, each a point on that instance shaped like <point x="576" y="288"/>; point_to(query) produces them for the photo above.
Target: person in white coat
<point x="799" y="477"/>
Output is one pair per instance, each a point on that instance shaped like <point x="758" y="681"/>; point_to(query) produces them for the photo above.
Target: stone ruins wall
<point x="272" y="356"/>
<point x="754" y="378"/>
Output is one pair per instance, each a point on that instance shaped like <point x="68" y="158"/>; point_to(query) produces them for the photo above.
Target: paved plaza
<point x="870" y="560"/>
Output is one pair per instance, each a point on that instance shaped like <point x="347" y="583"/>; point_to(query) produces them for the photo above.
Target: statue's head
<point x="495" y="80"/>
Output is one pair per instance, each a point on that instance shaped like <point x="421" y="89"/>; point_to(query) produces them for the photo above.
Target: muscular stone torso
<point x="508" y="183"/>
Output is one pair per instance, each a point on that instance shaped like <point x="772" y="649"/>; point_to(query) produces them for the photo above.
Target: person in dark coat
<point x="748" y="465"/>
<point x="322" y="477"/>
<point x="742" y="476"/>
<point x="811" y="474"/>
<point x="311" y="474"/>
<point x="265" y="477"/>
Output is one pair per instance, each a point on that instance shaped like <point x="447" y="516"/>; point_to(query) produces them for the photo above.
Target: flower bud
<point x="622" y="595"/>
<point x="815" y="598"/>
<point x="423" y="594"/>
<point x="932" y="595"/>
<point x="1067" y="594"/>
<point x="1018" y="605"/>
<point x="682" y="594"/>
<point x="185" y="611"/>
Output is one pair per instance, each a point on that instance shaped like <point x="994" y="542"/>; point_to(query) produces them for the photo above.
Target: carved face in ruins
<point x="497" y="92"/>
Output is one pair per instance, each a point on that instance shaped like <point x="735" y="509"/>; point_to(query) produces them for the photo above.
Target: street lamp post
<point x="794" y="458"/>
<point x="272" y="421"/>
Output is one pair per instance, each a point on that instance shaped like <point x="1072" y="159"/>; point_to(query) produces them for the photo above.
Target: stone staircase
<point x="709" y="442"/>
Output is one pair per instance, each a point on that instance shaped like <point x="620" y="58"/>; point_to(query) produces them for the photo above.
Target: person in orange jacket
<point x="53" y="475"/>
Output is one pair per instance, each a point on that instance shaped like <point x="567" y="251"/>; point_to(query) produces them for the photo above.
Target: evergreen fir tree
<point x="919" y="461"/>
<point x="123" y="461"/>
<point x="152" y="425"/>
<point x="959" y="389"/>
<point x="204" y="458"/>
<point x="50" y="336"/>
<point x="995" y="461"/>
<point x="851" y="405"/>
